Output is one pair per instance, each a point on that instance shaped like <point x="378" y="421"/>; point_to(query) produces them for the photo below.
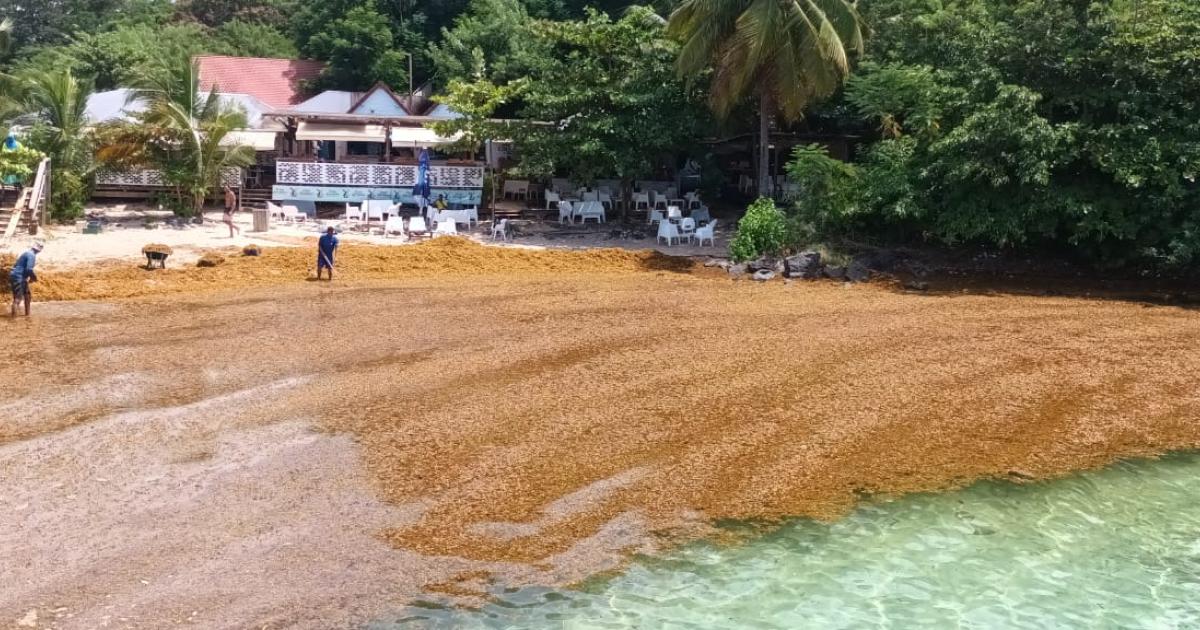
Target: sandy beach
<point x="237" y="447"/>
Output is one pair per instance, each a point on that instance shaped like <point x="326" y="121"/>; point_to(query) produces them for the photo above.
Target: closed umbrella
<point x="421" y="190"/>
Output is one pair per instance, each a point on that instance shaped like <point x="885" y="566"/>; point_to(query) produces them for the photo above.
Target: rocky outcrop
<point x="805" y="265"/>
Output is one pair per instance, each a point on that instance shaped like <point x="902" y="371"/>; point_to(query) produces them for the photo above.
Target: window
<point x="364" y="148"/>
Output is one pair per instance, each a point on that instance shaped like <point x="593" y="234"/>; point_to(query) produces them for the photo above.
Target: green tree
<point x="216" y="13"/>
<point x="1037" y="124"/>
<point x="57" y="101"/>
<point x="181" y="133"/>
<point x="787" y="54"/>
<point x="603" y="102"/>
<point x="360" y="50"/>
<point x="255" y="39"/>
<point x="498" y="32"/>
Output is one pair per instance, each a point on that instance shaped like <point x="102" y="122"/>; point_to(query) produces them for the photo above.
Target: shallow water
<point x="1118" y="548"/>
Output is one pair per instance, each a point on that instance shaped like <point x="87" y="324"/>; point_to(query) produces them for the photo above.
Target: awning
<point x="340" y="132"/>
<point x="261" y="140"/>
<point x="419" y="137"/>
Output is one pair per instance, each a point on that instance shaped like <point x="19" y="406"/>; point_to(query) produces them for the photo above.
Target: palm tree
<point x="57" y="101"/>
<point x="181" y="131"/>
<point x="787" y="53"/>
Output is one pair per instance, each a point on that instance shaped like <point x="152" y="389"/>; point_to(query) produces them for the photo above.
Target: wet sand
<point x="314" y="455"/>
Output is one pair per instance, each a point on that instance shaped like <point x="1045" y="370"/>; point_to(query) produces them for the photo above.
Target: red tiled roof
<point x="275" y="82"/>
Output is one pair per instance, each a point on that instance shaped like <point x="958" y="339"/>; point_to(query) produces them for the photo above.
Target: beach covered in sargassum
<point x="233" y="444"/>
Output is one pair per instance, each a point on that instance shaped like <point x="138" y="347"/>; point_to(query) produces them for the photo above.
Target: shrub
<point x="68" y="194"/>
<point x="763" y="230"/>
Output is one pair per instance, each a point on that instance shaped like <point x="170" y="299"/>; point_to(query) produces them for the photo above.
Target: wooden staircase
<point x="255" y="197"/>
<point x="16" y="220"/>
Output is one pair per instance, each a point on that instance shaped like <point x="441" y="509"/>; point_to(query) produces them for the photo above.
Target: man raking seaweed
<point x="325" y="248"/>
<point x="21" y="275"/>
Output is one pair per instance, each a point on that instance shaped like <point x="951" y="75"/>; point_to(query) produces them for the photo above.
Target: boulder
<point x="251" y="250"/>
<point x="803" y="265"/>
<point x="858" y="271"/>
<point x="738" y="270"/>
<point x="714" y="262"/>
<point x="767" y="263"/>
<point x="835" y="272"/>
<point x="762" y="275"/>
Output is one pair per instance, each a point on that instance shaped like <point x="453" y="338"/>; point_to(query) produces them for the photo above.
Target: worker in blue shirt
<point x="20" y="277"/>
<point x="325" y="246"/>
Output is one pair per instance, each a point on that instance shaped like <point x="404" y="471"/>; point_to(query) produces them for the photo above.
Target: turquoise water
<point x="1118" y="548"/>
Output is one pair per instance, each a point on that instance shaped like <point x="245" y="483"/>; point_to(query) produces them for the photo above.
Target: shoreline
<point x="529" y="427"/>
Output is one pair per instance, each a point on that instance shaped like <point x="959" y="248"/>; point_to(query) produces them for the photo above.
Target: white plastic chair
<point x="552" y="199"/>
<point x="472" y="215"/>
<point x="657" y="216"/>
<point x="674" y="213"/>
<point x="659" y="200"/>
<point x="641" y="201"/>
<point x="354" y="212"/>
<point x="591" y="196"/>
<point x="375" y="210"/>
<point x="417" y="227"/>
<point x="693" y="200"/>
<point x="669" y="231"/>
<point x="291" y="213"/>
<point x="500" y="229"/>
<point x="701" y="215"/>
<point x="394" y="225"/>
<point x="706" y="233"/>
<point x="687" y="227"/>
<point x="446" y="228"/>
<point x="564" y="212"/>
<point x="605" y="199"/>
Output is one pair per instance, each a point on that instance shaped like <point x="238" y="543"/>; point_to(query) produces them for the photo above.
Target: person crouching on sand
<point x="230" y="208"/>
<point x="21" y="275"/>
<point x="325" y="246"/>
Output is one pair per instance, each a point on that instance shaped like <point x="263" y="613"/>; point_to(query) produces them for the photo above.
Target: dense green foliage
<point x="17" y="165"/>
<point x="762" y="231"/>
<point x="1060" y="125"/>
<point x="602" y="95"/>
<point x="1052" y="124"/>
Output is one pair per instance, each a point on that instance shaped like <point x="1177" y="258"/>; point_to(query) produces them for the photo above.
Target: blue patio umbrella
<point x="11" y="144"/>
<point x="421" y="190"/>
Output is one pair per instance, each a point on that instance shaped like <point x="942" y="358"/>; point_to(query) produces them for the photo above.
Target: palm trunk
<point x="764" y="145"/>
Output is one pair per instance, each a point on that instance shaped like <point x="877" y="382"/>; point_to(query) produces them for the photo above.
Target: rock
<point x="210" y="260"/>
<point x="803" y="265"/>
<point x="835" y="272"/>
<point x="858" y="271"/>
<point x="765" y="262"/>
<point x="762" y="275"/>
<point x="714" y="262"/>
<point x="251" y="250"/>
<point x="738" y="270"/>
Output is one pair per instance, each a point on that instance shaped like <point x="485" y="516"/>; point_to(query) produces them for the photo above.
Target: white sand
<point x="125" y="233"/>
